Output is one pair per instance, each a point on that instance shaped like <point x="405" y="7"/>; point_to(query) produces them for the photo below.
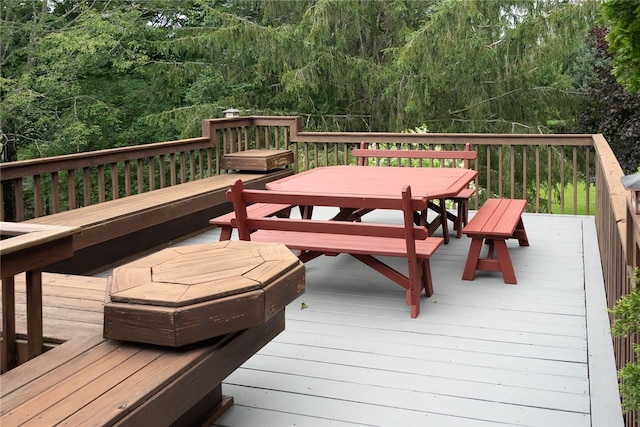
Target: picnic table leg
<point x="427" y="283"/>
<point x="443" y="220"/>
<point x="473" y="257"/>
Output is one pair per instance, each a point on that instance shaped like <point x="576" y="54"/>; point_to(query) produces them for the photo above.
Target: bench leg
<point x="225" y="233"/>
<point x="504" y="262"/>
<point x="463" y="216"/>
<point x="440" y="220"/>
<point x="501" y="262"/>
<point x="473" y="257"/>
<point x="427" y="283"/>
<point x="521" y="234"/>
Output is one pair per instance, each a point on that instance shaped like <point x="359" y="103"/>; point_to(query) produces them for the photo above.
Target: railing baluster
<point x="163" y="170"/>
<point x="245" y="137"/>
<point x="575" y="180"/>
<point x="71" y="189"/>
<point x="192" y="166"/>
<point x="37" y="195"/>
<point x="115" y="186"/>
<point x="488" y="172"/>
<point x="537" y="178"/>
<point x="174" y="174"/>
<point x="127" y="178"/>
<point x="55" y="192"/>
<point x="183" y="173"/>
<point x="140" y="175"/>
<point x="562" y="177"/>
<point x="549" y="181"/>
<point x="524" y="172"/>
<point x="512" y="164"/>
<point x="200" y="172"/>
<point x="101" y="184"/>
<point x="86" y="185"/>
<point x="500" y="168"/>
<point x="587" y="179"/>
<point x="152" y="173"/>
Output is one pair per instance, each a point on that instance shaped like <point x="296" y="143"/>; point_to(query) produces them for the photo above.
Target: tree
<point x="498" y="66"/>
<point x="82" y="75"/>
<point x="613" y="111"/>
<point x="71" y="77"/>
<point x="622" y="17"/>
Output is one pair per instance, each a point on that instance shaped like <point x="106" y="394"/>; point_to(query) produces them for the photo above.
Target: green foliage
<point x="79" y="76"/>
<point x="499" y="66"/>
<point x="626" y="323"/>
<point x="622" y="17"/>
<point x="612" y="111"/>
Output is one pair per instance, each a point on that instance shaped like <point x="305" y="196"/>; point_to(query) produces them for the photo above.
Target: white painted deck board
<point x="480" y="353"/>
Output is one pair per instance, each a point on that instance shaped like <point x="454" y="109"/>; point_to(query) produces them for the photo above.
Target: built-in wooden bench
<point x="364" y="241"/>
<point x="495" y="222"/>
<point x="94" y="381"/>
<point x="227" y="222"/>
<point x="114" y="230"/>
<point x="461" y="200"/>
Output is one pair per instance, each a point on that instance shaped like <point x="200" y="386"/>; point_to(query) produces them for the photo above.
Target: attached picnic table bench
<point x="497" y="221"/>
<point x="114" y="230"/>
<point x="363" y="241"/>
<point x="227" y="222"/>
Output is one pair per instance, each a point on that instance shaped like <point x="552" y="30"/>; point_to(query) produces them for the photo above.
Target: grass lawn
<point x="581" y="200"/>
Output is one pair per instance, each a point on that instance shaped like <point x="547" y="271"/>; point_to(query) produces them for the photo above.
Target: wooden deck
<point x="480" y="353"/>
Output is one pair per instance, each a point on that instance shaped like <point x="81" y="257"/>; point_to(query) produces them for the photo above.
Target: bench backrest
<point x="365" y="152"/>
<point x="241" y="198"/>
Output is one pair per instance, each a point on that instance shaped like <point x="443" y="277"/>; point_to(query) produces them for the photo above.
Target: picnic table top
<point x="379" y="181"/>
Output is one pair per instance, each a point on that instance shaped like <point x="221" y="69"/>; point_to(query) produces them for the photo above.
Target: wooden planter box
<point x="257" y="160"/>
<point x="187" y="294"/>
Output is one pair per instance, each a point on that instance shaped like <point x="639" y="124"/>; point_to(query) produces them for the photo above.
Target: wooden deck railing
<point x="533" y="167"/>
<point x="26" y="248"/>
<point x="618" y="230"/>
<point x="547" y="170"/>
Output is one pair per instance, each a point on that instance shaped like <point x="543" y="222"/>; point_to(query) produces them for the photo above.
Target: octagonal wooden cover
<point x="181" y="276"/>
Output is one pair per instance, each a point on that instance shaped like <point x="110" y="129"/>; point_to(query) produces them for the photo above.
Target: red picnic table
<point x="380" y="181"/>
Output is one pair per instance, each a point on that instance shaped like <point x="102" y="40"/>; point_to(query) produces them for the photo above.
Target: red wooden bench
<point x="361" y="240"/>
<point x="495" y="222"/>
<point x="227" y="222"/>
<point x="461" y="200"/>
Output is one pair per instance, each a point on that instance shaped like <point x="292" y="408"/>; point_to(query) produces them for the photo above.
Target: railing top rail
<point x="442" y="138"/>
<point x="12" y="170"/>
<point x="24" y="235"/>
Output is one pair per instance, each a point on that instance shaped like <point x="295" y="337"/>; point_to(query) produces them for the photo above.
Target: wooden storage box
<point x="257" y="160"/>
<point x="187" y="294"/>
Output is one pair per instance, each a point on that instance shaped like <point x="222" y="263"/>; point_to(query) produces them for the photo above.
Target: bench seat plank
<point x="226" y="222"/>
<point x="336" y="243"/>
<point x="495" y="222"/>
